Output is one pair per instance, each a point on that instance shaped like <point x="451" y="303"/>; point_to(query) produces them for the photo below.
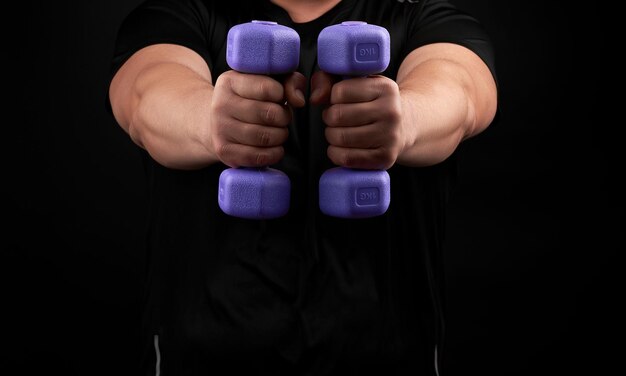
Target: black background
<point x="534" y="225"/>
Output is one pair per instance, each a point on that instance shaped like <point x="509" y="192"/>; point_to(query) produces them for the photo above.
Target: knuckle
<point x="346" y="159"/>
<point x="277" y="91"/>
<point x="386" y="85"/>
<point x="395" y="118"/>
<point x="338" y="92"/>
<point x="343" y="137"/>
<point x="260" y="159"/>
<point x="228" y="74"/>
<point x="222" y="79"/>
<point x="269" y="114"/>
<point x="385" y="158"/>
<point x="333" y="114"/>
<point x="337" y="114"/>
<point x="332" y="155"/>
<point x="298" y="80"/>
<point x="394" y="114"/>
<point x="326" y="117"/>
<point x="337" y="138"/>
<point x="218" y="131"/>
<point x="222" y="149"/>
<point x="225" y="80"/>
<point x="264" y="138"/>
<point x="282" y="115"/>
<point x="263" y="88"/>
<point x="265" y="157"/>
<point x="329" y="134"/>
<point x="220" y="106"/>
<point x="268" y="88"/>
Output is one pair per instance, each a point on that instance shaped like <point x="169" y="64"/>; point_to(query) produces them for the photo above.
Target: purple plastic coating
<point x="263" y="47"/>
<point x="354" y="48"/>
<point x="347" y="193"/>
<point x="254" y="193"/>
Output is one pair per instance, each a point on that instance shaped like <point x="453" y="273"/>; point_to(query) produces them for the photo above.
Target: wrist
<point x="409" y="101"/>
<point x="204" y="124"/>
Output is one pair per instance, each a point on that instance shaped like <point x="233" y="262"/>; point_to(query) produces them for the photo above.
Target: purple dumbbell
<point x="260" y="47"/>
<point x="352" y="49"/>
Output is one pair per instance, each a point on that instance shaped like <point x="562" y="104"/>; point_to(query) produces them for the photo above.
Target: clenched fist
<point x="249" y="116"/>
<point x="363" y="119"/>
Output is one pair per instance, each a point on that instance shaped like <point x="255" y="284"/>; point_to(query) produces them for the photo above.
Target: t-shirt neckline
<point x="324" y="20"/>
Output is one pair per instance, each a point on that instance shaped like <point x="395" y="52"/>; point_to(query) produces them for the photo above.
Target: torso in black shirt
<point x="304" y="294"/>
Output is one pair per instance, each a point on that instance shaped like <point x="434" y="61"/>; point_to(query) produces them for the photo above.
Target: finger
<point x="368" y="159"/>
<point x="256" y="135"/>
<point x="349" y="115"/>
<point x="294" y="85"/>
<point x="237" y="155"/>
<point x="265" y="113"/>
<point x="362" y="89"/>
<point x="321" y="86"/>
<point x="256" y="86"/>
<point x="365" y="137"/>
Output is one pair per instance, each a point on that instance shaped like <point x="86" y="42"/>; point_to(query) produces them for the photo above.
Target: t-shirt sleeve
<point x="438" y="21"/>
<point x="182" y="22"/>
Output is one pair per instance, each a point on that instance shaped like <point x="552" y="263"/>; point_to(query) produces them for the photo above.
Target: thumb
<point x="294" y="85"/>
<point x="321" y="87"/>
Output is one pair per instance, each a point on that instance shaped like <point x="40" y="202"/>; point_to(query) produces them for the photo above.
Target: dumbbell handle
<point x="259" y="47"/>
<point x="354" y="49"/>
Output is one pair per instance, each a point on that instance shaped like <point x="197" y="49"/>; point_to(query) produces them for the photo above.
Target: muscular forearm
<point x="161" y="97"/>
<point x="164" y="99"/>
<point x="169" y="115"/>
<point x="443" y="103"/>
<point x="436" y="115"/>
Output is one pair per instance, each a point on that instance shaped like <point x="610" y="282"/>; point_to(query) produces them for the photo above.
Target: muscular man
<point x="307" y="293"/>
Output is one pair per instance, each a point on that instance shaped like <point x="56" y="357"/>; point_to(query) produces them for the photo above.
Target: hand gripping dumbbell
<point x="260" y="47"/>
<point x="353" y="49"/>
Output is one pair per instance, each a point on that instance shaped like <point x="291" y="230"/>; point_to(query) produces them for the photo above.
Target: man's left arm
<point x="448" y="94"/>
<point x="444" y="94"/>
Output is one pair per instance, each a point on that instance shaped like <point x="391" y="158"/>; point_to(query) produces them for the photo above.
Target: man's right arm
<point x="163" y="97"/>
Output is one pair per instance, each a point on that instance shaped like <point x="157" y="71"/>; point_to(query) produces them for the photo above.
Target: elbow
<point x="126" y="109"/>
<point x="135" y="127"/>
<point x="487" y="112"/>
<point x="136" y="135"/>
<point x="482" y="106"/>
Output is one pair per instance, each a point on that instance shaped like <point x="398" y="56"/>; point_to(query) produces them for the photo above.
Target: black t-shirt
<point x="304" y="294"/>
